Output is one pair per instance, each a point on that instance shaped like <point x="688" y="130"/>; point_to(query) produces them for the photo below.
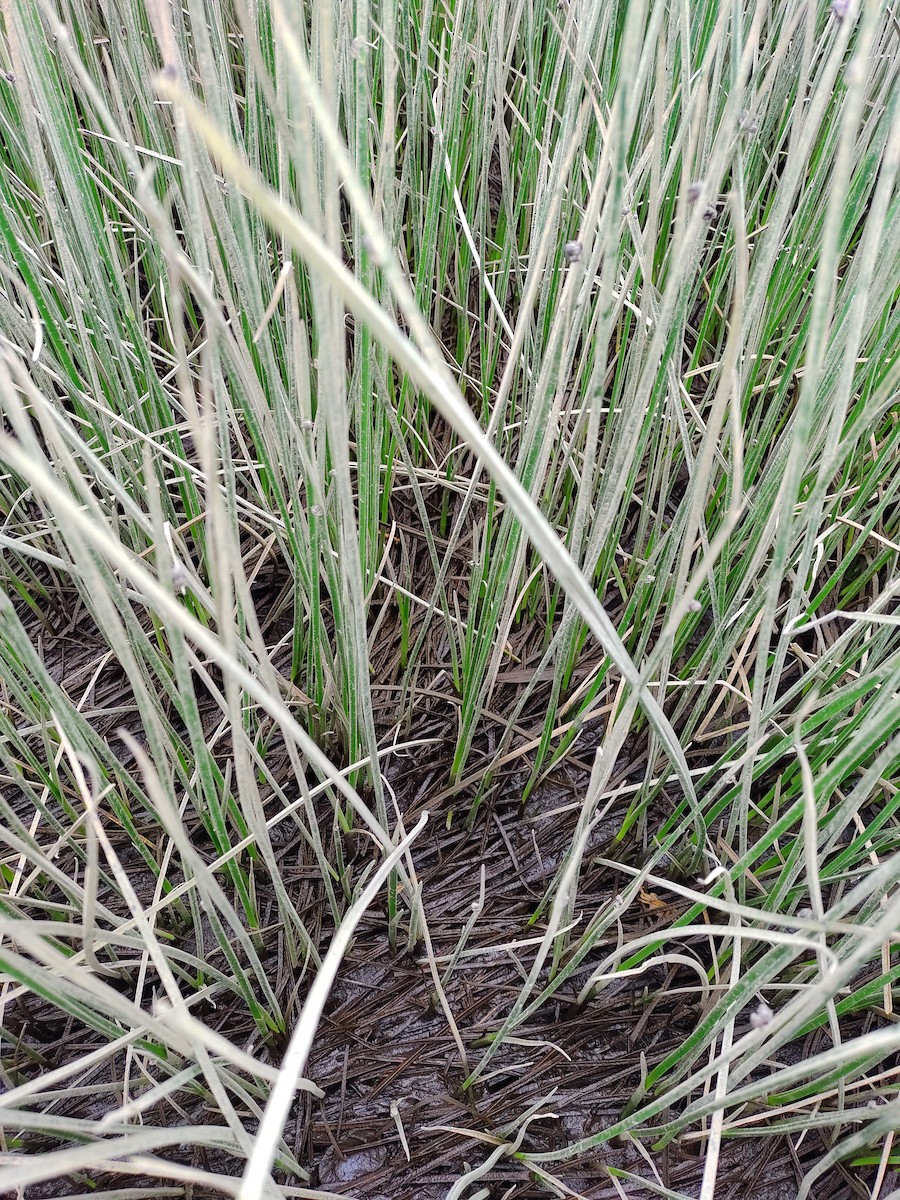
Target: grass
<point x="505" y="386"/>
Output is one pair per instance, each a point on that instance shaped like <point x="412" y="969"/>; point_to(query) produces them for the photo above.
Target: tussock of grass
<point x="538" y="360"/>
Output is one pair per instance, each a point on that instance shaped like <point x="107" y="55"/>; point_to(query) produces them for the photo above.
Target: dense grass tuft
<point x="505" y="387"/>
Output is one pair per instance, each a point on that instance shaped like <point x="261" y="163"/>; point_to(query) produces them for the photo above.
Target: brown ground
<point x="384" y="1055"/>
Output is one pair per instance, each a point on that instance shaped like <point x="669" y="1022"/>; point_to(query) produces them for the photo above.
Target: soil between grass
<point x="385" y="1058"/>
<point x="384" y="1055"/>
<point x="383" y="1050"/>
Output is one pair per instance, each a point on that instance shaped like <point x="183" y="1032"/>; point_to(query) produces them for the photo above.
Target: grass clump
<point x="408" y="408"/>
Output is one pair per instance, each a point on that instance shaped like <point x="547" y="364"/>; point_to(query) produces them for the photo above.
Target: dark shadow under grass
<point x="395" y="1122"/>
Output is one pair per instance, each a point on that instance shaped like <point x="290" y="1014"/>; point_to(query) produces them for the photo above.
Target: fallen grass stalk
<point x="260" y="1161"/>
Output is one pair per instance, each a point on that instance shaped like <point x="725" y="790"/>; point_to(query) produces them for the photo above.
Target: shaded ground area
<point x="386" y="1058"/>
<point x="395" y="1122"/>
<point x="387" y="1061"/>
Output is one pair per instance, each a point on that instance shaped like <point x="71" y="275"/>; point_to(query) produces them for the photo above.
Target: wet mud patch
<point x="396" y="1121"/>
